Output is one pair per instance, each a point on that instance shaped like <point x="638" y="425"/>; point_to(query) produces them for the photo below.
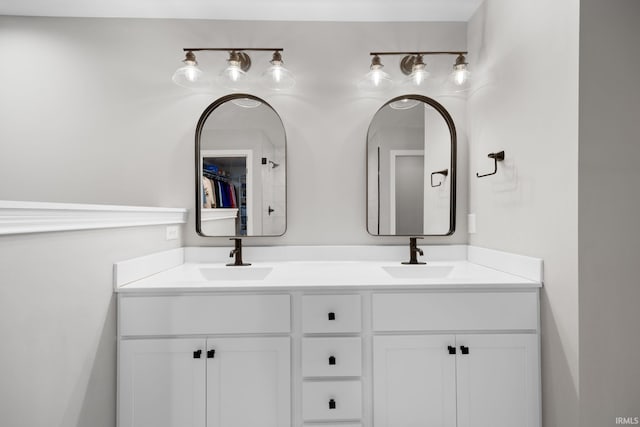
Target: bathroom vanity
<point x="289" y="341"/>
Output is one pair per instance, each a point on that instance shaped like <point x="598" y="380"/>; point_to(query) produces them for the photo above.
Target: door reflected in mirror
<point x="411" y="169"/>
<point x="241" y="169"/>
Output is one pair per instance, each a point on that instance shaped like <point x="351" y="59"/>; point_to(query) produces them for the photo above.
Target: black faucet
<point x="237" y="251"/>
<point x="414" y="250"/>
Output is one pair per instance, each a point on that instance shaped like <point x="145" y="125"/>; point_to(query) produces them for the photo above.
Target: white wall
<point x="525" y="102"/>
<point x="58" y="324"/>
<point x="609" y="205"/>
<point x="89" y="115"/>
<point x="88" y="108"/>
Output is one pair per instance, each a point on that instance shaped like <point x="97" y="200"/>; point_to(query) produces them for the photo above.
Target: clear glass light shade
<point x="246" y="102"/>
<point x="233" y="77"/>
<point x="189" y="76"/>
<point x="404" y="104"/>
<point x="376" y="79"/>
<point x="277" y="77"/>
<point x="460" y="75"/>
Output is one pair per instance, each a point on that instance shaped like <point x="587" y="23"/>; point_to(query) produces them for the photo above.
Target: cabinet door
<point x="498" y="381"/>
<point x="161" y="383"/>
<point x="249" y="382"/>
<point x="414" y="381"/>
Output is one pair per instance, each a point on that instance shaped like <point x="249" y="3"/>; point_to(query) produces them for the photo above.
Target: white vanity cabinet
<point x="204" y="361"/>
<point x="471" y="360"/>
<point x="331" y="344"/>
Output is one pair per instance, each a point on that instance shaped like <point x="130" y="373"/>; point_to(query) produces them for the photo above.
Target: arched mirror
<point x="241" y="169"/>
<point x="411" y="169"/>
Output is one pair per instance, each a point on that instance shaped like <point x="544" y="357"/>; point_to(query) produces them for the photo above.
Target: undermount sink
<point x="235" y="273"/>
<point x="418" y="271"/>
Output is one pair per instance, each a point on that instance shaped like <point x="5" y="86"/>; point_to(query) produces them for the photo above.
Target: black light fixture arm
<point x="233" y="49"/>
<point x="426" y="52"/>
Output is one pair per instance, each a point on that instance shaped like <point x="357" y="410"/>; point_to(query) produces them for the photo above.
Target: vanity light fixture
<point x="412" y="65"/>
<point x="234" y="75"/>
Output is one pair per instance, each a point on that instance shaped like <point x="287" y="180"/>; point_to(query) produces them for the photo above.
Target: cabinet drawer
<point x="204" y="314"/>
<point x="331" y="313"/>
<point x="317" y="398"/>
<point x="331" y="357"/>
<point x="455" y="311"/>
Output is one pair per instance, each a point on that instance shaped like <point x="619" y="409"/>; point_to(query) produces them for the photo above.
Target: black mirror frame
<point x="452" y="167"/>
<point x="203" y="118"/>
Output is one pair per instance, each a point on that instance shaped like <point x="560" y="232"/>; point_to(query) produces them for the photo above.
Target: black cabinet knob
<point x="464" y="349"/>
<point x="332" y="316"/>
<point x="332" y="404"/>
<point x="332" y="360"/>
<point x="452" y="350"/>
<point x="197" y="354"/>
<point x="211" y="354"/>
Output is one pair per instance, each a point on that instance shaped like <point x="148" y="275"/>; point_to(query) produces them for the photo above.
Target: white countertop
<point x="305" y="275"/>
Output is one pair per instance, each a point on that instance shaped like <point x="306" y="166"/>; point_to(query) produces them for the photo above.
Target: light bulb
<point x="277" y="77"/>
<point x="234" y="72"/>
<point x="460" y="73"/>
<point x="460" y="77"/>
<point x="418" y="72"/>
<point x="233" y="75"/>
<point x="376" y="78"/>
<point x="277" y="73"/>
<point x="189" y="75"/>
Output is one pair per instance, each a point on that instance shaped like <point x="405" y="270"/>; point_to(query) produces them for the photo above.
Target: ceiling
<point x="258" y="10"/>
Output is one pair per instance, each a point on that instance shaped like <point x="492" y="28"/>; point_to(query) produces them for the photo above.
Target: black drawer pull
<point x="332" y="360"/>
<point x="452" y="350"/>
<point x="464" y="349"/>
<point x="332" y="404"/>
<point x="332" y="316"/>
<point x="197" y="354"/>
<point x="211" y="354"/>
